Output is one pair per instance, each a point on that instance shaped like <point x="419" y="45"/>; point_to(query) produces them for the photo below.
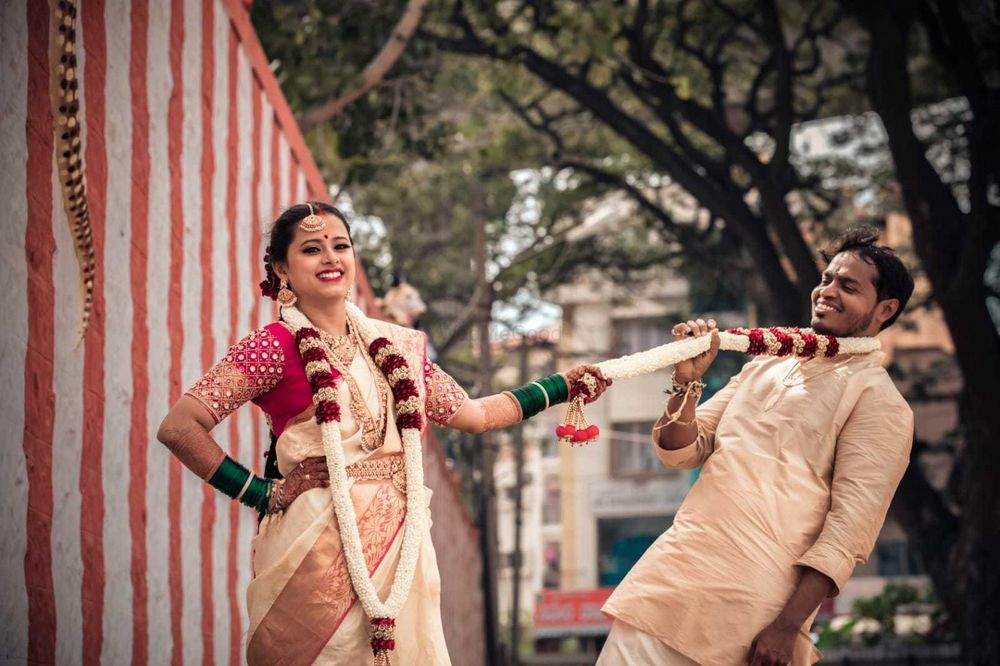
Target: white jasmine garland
<point x="654" y="359"/>
<point x="414" y="522"/>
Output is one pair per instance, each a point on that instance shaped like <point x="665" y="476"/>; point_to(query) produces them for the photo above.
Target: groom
<point x="800" y="459"/>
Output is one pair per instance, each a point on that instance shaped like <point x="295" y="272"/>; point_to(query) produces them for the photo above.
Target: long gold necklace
<point x="342" y="349"/>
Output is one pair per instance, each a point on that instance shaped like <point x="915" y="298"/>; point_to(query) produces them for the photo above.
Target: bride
<point x="343" y="554"/>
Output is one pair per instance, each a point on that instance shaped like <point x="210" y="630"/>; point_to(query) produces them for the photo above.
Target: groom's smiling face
<point x="845" y="303"/>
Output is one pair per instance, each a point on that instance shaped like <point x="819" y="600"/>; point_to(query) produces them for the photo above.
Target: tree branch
<point x="727" y="203"/>
<point x="938" y="228"/>
<point x="784" y="93"/>
<point x="466" y="318"/>
<point x="374" y="72"/>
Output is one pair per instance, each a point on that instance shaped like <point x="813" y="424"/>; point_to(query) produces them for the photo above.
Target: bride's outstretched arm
<point x="488" y="413"/>
<point x="510" y="407"/>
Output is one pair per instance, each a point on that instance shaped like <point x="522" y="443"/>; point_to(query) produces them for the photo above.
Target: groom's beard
<point x="855" y="326"/>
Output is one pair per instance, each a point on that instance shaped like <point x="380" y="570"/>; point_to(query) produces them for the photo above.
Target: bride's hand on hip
<point x="310" y="473"/>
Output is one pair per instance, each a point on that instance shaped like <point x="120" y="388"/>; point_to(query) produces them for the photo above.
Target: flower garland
<point x="803" y="342"/>
<point x="323" y="378"/>
<point x="775" y="341"/>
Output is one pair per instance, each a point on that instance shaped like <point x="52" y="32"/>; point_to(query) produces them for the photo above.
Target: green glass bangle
<point x="230" y="477"/>
<point x="540" y="394"/>
<point x="557" y="388"/>
<point x="530" y="398"/>
<point x="258" y="494"/>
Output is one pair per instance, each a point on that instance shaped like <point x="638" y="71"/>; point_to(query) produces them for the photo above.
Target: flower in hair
<point x="270" y="284"/>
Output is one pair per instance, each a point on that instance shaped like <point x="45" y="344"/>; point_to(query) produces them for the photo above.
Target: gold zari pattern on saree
<point x="377" y="528"/>
<point x="391" y="468"/>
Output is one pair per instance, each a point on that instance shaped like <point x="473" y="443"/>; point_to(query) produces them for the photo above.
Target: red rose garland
<point x="404" y="389"/>
<point x="779" y="341"/>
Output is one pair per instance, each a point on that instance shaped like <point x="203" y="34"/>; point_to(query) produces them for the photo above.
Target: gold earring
<point x="286" y="296"/>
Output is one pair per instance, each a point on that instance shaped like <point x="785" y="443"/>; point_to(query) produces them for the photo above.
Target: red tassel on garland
<point x="575" y="429"/>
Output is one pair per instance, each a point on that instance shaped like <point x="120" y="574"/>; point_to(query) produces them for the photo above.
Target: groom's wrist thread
<point x="690" y="389"/>
<point x="680" y="388"/>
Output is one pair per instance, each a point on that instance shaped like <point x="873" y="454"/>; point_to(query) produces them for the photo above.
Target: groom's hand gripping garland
<point x="691" y="356"/>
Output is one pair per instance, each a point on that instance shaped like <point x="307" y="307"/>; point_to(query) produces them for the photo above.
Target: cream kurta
<point x="800" y="461"/>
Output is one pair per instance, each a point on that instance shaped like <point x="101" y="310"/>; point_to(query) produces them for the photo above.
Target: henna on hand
<point x="579" y="371"/>
<point x="310" y="473"/>
<point x="499" y="411"/>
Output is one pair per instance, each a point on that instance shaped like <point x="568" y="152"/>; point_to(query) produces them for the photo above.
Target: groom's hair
<point x="893" y="279"/>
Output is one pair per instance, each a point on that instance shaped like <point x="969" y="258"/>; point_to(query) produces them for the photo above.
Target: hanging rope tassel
<point x="575" y="429"/>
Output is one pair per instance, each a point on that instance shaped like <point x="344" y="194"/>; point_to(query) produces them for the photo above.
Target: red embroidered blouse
<point x="265" y="368"/>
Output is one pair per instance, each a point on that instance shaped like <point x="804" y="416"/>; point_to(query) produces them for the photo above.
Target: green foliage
<point x="873" y="621"/>
<point x="318" y="50"/>
<point x="830" y="637"/>
<point x="884" y="608"/>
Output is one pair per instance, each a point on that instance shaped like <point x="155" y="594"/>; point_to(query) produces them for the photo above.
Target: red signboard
<point x="575" y="612"/>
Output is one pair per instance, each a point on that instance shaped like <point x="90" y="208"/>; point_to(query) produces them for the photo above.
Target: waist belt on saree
<point x="384" y="468"/>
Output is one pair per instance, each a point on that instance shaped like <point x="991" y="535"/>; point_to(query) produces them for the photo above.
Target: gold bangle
<point x="279" y="497"/>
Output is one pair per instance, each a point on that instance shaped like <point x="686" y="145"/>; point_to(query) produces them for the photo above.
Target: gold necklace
<point x="340" y="347"/>
<point x="341" y="350"/>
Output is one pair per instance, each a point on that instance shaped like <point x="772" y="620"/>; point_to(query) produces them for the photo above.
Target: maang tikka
<point x="312" y="222"/>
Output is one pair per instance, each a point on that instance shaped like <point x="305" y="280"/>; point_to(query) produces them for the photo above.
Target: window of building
<point x="552" y="572"/>
<point x="635" y="335"/>
<point x="632" y="453"/>
<point x="622" y="541"/>
<point x="896" y="558"/>
<point x="552" y="501"/>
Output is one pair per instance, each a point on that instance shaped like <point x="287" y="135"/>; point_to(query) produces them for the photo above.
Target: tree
<point x="956" y="228"/>
<point x="690" y="89"/>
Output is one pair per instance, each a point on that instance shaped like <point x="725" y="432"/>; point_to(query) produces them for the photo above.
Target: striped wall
<point x="111" y="551"/>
